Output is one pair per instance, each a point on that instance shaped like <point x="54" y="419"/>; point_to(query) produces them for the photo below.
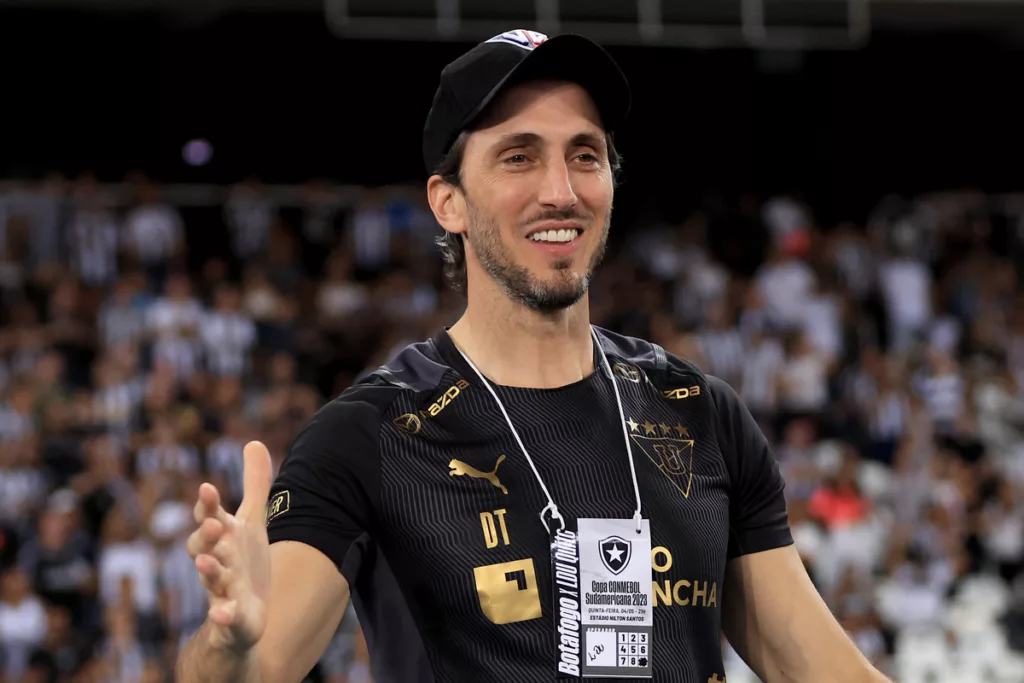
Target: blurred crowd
<point x="143" y="343"/>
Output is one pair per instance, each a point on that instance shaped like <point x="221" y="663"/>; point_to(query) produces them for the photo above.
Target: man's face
<point x="538" y="191"/>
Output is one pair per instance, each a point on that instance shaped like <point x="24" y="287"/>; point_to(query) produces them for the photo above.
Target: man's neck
<point x="515" y="346"/>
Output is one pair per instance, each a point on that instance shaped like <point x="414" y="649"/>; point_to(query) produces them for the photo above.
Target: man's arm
<point x="771" y="612"/>
<point x="318" y="518"/>
<point x="780" y="626"/>
<point x="308" y="597"/>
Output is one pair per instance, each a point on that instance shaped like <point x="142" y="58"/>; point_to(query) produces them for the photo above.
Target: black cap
<point x="473" y="80"/>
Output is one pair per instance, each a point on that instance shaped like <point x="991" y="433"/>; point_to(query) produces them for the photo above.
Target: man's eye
<point x="516" y="159"/>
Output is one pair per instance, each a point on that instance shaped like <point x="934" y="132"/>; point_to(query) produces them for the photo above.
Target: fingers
<point x="203" y="539"/>
<point x="208" y="505"/>
<point x="209" y="539"/>
<point x="223" y="613"/>
<point x="217" y="580"/>
<point x="213" y="575"/>
<point x="257" y="478"/>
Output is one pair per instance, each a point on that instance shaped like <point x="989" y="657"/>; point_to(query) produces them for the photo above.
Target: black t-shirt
<point x="371" y="482"/>
<point x="60" y="575"/>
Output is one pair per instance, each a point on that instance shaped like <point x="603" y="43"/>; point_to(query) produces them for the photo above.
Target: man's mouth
<point x="556" y="236"/>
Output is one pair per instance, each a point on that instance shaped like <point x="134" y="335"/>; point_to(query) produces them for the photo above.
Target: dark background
<point x="280" y="97"/>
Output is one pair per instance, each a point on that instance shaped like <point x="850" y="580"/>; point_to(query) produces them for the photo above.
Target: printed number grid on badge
<point x="633" y="649"/>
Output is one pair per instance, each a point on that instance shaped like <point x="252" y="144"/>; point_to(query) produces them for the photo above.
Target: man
<point x="417" y="491"/>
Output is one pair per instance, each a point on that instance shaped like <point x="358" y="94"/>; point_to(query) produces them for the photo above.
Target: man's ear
<point x="448" y="204"/>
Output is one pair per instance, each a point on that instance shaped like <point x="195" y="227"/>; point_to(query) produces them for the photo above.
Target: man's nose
<point x="556" y="190"/>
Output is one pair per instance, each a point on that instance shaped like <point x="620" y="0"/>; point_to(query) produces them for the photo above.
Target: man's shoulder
<point x="415" y="370"/>
<point x="659" y="365"/>
<point x="417" y="367"/>
<point x="348" y="427"/>
<point x="674" y="376"/>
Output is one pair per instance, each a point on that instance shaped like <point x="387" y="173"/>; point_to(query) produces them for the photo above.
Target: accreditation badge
<point x="603" y="604"/>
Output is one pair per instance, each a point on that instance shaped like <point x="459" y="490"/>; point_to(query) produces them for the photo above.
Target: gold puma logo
<point x="460" y="468"/>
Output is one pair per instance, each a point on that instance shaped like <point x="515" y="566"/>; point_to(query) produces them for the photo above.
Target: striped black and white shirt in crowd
<point x="92" y="246"/>
<point x="115" y="406"/>
<point x="172" y="458"/>
<point x="224" y="457"/>
<point x="14" y="425"/>
<point x="154" y="232"/>
<point x="168" y="317"/>
<point x="856" y="265"/>
<point x="761" y="367"/>
<point x="249" y="216"/>
<point x="125" y="660"/>
<point x="172" y="321"/>
<point x="944" y="397"/>
<point x="785" y="287"/>
<point x="371" y="236"/>
<point x="703" y="283"/>
<point x="227" y="340"/>
<point x="188" y="605"/>
<point x="121" y="323"/>
<point x="19" y="489"/>
<point x="887" y="420"/>
<point x="724" y="353"/>
<point x="183" y="356"/>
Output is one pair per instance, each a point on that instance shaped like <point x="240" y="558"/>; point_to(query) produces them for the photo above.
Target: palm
<point x="250" y="591"/>
<point x="232" y="554"/>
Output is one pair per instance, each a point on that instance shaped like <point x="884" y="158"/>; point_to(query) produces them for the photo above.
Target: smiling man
<point x="523" y="497"/>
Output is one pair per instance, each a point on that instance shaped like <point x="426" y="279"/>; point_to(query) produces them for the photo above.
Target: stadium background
<point x="819" y="206"/>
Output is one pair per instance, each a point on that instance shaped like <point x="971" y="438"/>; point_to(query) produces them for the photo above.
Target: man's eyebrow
<point x="588" y="140"/>
<point x="584" y="139"/>
<point x="517" y="140"/>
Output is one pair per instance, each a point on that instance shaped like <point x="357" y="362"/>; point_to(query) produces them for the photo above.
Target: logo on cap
<point x="520" y="38"/>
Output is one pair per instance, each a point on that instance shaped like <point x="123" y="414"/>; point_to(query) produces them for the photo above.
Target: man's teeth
<point x="555" y="235"/>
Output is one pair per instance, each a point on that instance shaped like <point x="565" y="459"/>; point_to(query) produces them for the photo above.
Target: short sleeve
<point x="326" y="491"/>
<point x="758" y="519"/>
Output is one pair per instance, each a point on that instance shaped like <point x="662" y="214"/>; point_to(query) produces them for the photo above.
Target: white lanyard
<point x="551" y="507"/>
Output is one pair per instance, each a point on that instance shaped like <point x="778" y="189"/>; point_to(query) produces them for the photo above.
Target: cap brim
<point x="573" y="58"/>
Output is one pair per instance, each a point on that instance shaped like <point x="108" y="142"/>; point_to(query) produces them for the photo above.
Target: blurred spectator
<point x="339" y="298"/>
<point x="153" y="233"/>
<point x="224" y="455"/>
<point x="227" y="334"/>
<point x="838" y="501"/>
<point x="321" y="211"/>
<point x="371" y="234"/>
<point x="93" y="236"/>
<point x="722" y="345"/>
<point x="786" y="282"/>
<point x="804" y="379"/>
<point x="128" y="576"/>
<point x="915" y="597"/>
<point x="164" y="452"/>
<point x="22" y="622"/>
<point x="906" y="285"/>
<point x="762" y="367"/>
<point x="863" y="627"/>
<point x="1004" y="531"/>
<point x="249" y="216"/>
<point x="183" y="598"/>
<point x="174" y="322"/>
<point x="272" y="312"/>
<point x="60" y="560"/>
<point x="122" y="315"/>
<point x="22" y="483"/>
